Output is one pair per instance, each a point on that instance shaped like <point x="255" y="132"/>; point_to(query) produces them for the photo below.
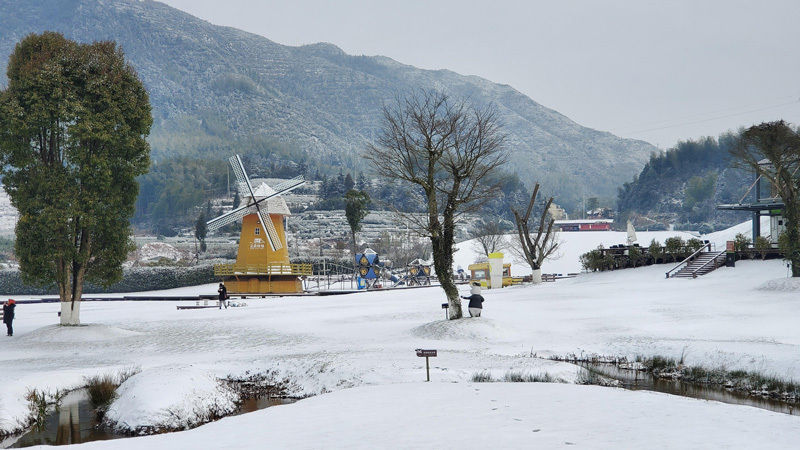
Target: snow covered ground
<point x="573" y="245"/>
<point x="736" y="318"/>
<point x="497" y="415"/>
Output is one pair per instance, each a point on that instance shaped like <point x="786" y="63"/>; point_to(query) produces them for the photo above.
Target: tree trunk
<point x="443" y="264"/>
<point x="536" y="276"/>
<point x="70" y="313"/>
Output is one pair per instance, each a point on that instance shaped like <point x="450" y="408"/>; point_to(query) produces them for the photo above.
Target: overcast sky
<point x="654" y="70"/>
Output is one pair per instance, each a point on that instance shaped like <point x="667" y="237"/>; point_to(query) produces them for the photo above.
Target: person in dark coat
<point x="223" y="295"/>
<point x="475" y="300"/>
<point x="8" y="315"/>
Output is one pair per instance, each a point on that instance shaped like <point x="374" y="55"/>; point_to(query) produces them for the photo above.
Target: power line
<point x="793" y="102"/>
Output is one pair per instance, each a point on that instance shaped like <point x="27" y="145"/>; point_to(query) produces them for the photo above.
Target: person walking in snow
<point x="223" y="295"/>
<point x="475" y="300"/>
<point x="8" y="315"/>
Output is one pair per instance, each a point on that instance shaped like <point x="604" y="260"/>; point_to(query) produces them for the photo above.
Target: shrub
<point x="655" y="250"/>
<point x="635" y="256"/>
<point x="741" y="242"/>
<point x="482" y="377"/>
<point x="674" y="246"/>
<point x="102" y="389"/>
<point x="694" y="244"/>
<point x="762" y="245"/>
<point x="593" y="260"/>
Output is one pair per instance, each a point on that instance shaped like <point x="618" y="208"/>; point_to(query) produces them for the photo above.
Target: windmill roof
<point x="275" y="205"/>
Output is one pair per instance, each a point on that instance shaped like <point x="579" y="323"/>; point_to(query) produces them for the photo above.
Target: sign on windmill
<point x="262" y="262"/>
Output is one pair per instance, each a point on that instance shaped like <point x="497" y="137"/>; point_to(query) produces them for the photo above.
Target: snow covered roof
<point x="577" y="222"/>
<point x="275" y="205"/>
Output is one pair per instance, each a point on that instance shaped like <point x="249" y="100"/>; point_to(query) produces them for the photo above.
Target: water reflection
<point x="638" y="380"/>
<point x="76" y="422"/>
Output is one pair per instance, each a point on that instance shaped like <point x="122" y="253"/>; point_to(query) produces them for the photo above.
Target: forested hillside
<point x="217" y="91"/>
<point x="684" y="185"/>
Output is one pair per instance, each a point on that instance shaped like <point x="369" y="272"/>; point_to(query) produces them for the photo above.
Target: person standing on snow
<point x="475" y="300"/>
<point x="8" y="315"/>
<point x="223" y="295"/>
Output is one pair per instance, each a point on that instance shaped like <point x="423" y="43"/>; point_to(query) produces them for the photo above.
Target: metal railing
<point x="222" y="270"/>
<point x="714" y="260"/>
<point x="690" y="257"/>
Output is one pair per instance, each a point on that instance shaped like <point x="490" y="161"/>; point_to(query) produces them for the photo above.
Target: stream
<point x="75" y="422"/>
<point x="639" y="380"/>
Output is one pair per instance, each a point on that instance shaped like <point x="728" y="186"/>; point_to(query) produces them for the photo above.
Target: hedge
<point x="134" y="279"/>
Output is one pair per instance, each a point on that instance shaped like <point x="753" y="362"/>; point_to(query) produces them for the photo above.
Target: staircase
<point x="701" y="264"/>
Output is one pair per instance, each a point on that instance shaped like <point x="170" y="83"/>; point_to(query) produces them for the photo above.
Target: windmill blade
<point x="242" y="182"/>
<point x="228" y="218"/>
<point x="289" y="185"/>
<point x="269" y="228"/>
<point x="253" y="205"/>
<point x="266" y="222"/>
<point x="283" y="187"/>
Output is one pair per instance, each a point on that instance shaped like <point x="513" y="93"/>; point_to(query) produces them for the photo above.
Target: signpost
<point x="427" y="354"/>
<point x="444" y="307"/>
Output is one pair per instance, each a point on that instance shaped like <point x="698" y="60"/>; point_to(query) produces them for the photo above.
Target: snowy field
<point x="573" y="245"/>
<point x="740" y="318"/>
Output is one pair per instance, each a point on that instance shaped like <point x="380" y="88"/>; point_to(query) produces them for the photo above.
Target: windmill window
<point x="258" y="231"/>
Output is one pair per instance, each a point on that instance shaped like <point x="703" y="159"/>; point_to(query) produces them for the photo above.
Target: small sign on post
<point x="427" y="354"/>
<point x="445" y="306"/>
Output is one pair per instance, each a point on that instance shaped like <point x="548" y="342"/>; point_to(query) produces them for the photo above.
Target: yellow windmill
<point x="262" y="262"/>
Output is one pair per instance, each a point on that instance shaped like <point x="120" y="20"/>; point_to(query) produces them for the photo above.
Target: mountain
<point x="683" y="186"/>
<point x="211" y="85"/>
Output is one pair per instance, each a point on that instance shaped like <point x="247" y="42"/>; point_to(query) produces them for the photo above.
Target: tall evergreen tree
<point x="349" y="184"/>
<point x="200" y="231"/>
<point x="73" y="123"/>
<point x="355" y="209"/>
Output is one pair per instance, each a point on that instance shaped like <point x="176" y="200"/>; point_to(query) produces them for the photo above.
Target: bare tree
<point x="488" y="237"/>
<point x="445" y="150"/>
<point x="538" y="247"/>
<point x="772" y="150"/>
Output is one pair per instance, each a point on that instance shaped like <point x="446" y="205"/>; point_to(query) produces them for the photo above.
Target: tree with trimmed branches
<point x="445" y="150"/>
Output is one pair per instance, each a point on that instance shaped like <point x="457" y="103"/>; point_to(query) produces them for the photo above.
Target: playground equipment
<point x="418" y="273"/>
<point x="486" y="271"/>
<point x="368" y="268"/>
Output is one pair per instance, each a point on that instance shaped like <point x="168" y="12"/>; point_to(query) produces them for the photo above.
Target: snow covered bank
<point x="149" y="402"/>
<point x="488" y="415"/>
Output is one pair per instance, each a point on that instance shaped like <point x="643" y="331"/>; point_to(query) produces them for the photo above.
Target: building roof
<point x="582" y="221"/>
<point x="275" y="205"/>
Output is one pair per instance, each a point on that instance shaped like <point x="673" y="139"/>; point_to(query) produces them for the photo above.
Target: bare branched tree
<point x="772" y="150"/>
<point x="535" y="248"/>
<point x="488" y="237"/>
<point x="446" y="150"/>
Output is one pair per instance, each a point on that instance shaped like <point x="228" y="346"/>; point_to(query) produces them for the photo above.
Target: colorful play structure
<point x="492" y="274"/>
<point x="368" y="269"/>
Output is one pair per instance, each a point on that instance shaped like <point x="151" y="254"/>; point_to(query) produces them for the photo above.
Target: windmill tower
<point x="262" y="262"/>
